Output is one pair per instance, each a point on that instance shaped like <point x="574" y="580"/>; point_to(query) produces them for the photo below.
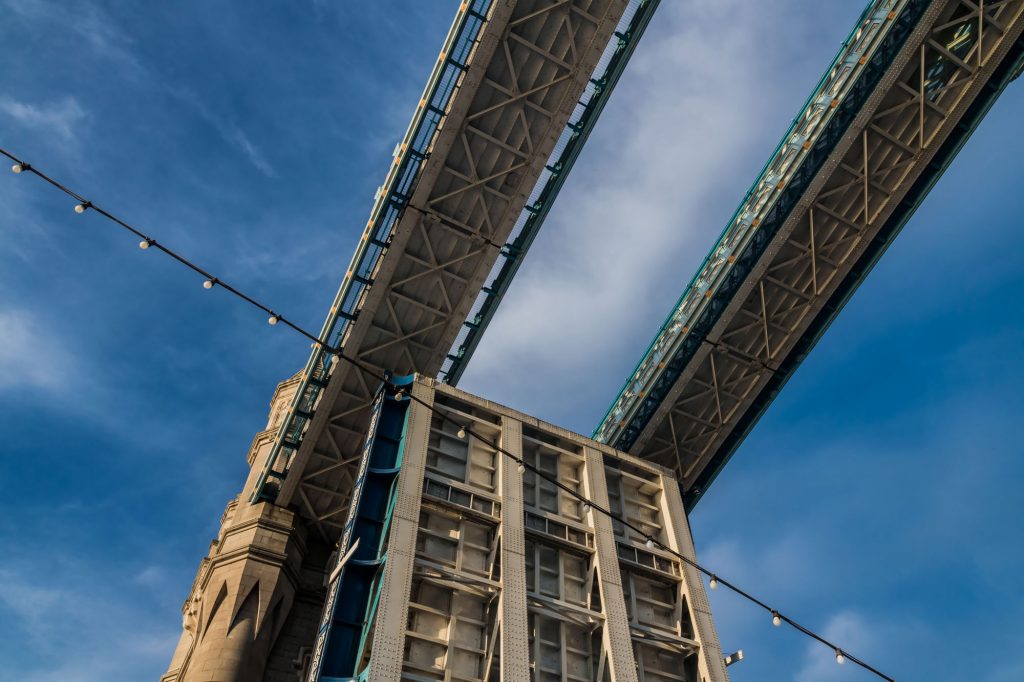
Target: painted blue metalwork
<point x="346" y="622"/>
<point x="866" y="54"/>
<point x="389" y="202"/>
<point x="606" y="76"/>
<point x="1009" y="69"/>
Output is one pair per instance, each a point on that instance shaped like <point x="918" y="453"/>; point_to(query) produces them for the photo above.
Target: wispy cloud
<point x="241" y="140"/>
<point x="229" y="131"/>
<point x="29" y="356"/>
<point x="59" y="118"/>
<point x="890" y="642"/>
<point x="90" y="24"/>
<point x="72" y="632"/>
<point x="29" y="604"/>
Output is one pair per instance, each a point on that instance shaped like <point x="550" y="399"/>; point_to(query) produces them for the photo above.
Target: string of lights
<point x="83" y="205"/>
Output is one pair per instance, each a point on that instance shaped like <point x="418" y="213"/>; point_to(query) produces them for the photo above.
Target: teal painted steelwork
<point x="347" y="621"/>
<point x="606" y="76"/>
<point x="799" y="142"/>
<point x="388" y="205"/>
<point x="1010" y="69"/>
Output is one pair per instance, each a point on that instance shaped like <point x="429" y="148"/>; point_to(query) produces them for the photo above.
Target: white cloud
<point x="889" y="644"/>
<point x="151" y="576"/>
<point x="849" y="630"/>
<point x="59" y="118"/>
<point x="73" y="632"/>
<point x="30" y="604"/>
<point x="29" y="355"/>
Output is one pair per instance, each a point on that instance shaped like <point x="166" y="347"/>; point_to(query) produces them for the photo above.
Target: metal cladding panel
<point x="713" y="369"/>
<point x="516" y="85"/>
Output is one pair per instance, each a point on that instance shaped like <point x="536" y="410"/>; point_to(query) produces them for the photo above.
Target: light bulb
<point x="776" y="619"/>
<point x="462" y="432"/>
<point x="208" y="284"/>
<point x="274" y="319"/>
<point x="586" y="507"/>
<point x="521" y="467"/>
<point x="144" y="244"/>
<point x="840" y="659"/>
<point x="714" y="583"/>
<point x="17" y="168"/>
<point x="399" y="395"/>
<point x="80" y="208"/>
<point x="650" y="542"/>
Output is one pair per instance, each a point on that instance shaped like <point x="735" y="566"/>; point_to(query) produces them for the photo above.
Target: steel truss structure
<point x="505" y="86"/>
<point x="911" y="83"/>
<point x="606" y="76"/>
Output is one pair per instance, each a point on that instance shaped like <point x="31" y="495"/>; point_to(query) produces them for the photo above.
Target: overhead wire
<point x="210" y="281"/>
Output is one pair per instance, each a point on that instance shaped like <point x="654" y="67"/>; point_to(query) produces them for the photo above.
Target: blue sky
<point x="877" y="501"/>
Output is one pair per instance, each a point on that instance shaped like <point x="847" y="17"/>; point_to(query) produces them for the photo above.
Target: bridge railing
<point x="815" y="113"/>
<point x="389" y="201"/>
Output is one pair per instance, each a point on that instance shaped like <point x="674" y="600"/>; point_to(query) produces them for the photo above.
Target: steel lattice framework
<point x="505" y="86"/>
<point x="512" y="99"/>
<point x="910" y="85"/>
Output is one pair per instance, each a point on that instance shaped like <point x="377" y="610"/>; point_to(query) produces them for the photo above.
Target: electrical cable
<point x="210" y="281"/>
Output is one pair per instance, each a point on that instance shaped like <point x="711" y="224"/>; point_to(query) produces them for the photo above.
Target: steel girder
<point x="761" y="301"/>
<point x="508" y="80"/>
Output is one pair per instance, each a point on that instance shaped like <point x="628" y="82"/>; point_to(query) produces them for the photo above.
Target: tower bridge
<point x="515" y="92"/>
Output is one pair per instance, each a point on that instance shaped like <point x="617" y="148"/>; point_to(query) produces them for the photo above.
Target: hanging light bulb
<point x="462" y="432"/>
<point x="400" y="394"/>
<point x="17" y="168"/>
<point x="586" y="507"/>
<point x="80" y="208"/>
<point x="208" y="284"/>
<point x="145" y="244"/>
<point x="776" y="619"/>
<point x="840" y="659"/>
<point x="521" y="467"/>
<point x="274" y="319"/>
<point x="714" y="583"/>
<point x="650" y="542"/>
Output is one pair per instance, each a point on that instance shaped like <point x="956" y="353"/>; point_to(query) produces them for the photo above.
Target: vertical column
<point x="389" y="631"/>
<point x="617" y="640"/>
<point x="515" y="639"/>
<point x="711" y="664"/>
